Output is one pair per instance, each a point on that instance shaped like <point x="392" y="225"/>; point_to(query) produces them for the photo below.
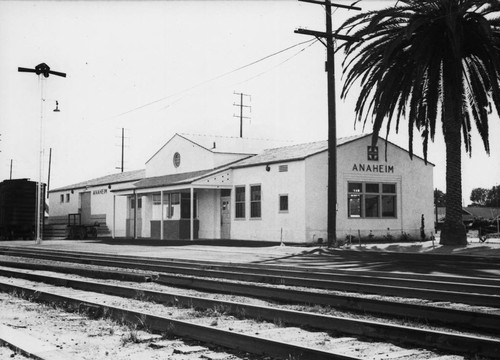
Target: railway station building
<point x="202" y="187"/>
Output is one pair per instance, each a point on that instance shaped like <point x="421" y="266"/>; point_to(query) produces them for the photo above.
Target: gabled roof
<point x="232" y="145"/>
<point x="287" y="153"/>
<point x="226" y="144"/>
<point x="293" y="152"/>
<point x="127" y="176"/>
<point x="302" y="151"/>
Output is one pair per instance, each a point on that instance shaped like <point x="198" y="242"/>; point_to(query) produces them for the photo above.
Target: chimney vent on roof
<point x="214" y="145"/>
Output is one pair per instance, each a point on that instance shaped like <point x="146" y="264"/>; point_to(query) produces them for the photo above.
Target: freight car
<point x="18" y="201"/>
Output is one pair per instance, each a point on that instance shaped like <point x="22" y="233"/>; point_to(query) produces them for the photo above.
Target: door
<point x="225" y="217"/>
<point x="85" y="207"/>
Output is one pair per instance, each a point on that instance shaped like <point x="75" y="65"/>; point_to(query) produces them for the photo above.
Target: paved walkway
<point x="247" y="251"/>
<point x="476" y="259"/>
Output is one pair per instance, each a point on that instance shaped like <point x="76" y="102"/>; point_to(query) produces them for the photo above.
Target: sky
<point x="156" y="68"/>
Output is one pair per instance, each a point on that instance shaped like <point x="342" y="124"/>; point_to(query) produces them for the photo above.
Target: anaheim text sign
<point x="373" y="168"/>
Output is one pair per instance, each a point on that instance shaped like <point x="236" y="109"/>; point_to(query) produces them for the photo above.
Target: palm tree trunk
<point x="453" y="230"/>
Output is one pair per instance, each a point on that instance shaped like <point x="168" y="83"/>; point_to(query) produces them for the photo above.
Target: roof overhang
<point x="169" y="188"/>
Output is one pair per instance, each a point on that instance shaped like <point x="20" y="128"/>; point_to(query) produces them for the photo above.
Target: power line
<point x="279" y="64"/>
<point x="216" y="77"/>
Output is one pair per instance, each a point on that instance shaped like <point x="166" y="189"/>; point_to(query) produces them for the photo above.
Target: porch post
<point x="162" y="216"/>
<point x="191" y="212"/>
<point x="135" y="215"/>
<point x="114" y="218"/>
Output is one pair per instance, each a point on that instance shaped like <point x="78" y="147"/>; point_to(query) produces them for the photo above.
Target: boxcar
<point x="18" y="201"/>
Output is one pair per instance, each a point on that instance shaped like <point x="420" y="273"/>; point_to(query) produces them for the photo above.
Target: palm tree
<point x="421" y="59"/>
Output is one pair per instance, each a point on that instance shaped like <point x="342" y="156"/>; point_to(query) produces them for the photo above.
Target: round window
<point x="177" y="159"/>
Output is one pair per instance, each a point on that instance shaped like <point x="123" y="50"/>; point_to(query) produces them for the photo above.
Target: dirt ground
<point x="89" y="339"/>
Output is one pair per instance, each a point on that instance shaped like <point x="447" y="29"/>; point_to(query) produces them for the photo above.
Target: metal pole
<point x="113" y="232"/>
<point x="48" y="178"/>
<point x="39" y="185"/>
<point x="135" y="215"/>
<point x="40" y="69"/>
<point x="10" y="178"/>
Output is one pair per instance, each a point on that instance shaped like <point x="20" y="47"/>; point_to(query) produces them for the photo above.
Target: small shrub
<point x="405" y="237"/>
<point x="130" y="337"/>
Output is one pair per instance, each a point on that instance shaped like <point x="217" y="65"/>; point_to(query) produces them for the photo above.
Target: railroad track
<point x="472" y="291"/>
<point x="443" y="340"/>
<point x="81" y="300"/>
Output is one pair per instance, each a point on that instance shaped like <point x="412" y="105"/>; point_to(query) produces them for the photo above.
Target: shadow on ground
<point x="397" y="258"/>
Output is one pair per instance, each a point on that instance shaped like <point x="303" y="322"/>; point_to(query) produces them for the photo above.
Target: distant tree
<point x="478" y="196"/>
<point x="493" y="197"/>
<point x="439" y="198"/>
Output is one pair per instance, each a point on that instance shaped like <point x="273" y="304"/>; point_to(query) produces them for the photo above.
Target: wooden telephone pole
<point x="332" y="131"/>
<point x="241" y="106"/>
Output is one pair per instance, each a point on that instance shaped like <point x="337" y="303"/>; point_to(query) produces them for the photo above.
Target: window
<point x="388" y="200"/>
<point x="139" y="203"/>
<point x="371" y="200"/>
<point x="62" y="198"/>
<point x="284" y="203"/>
<point x="283" y="168"/>
<point x="174" y="198"/>
<point x="255" y="201"/>
<point x="67" y="197"/>
<point x="186" y="205"/>
<point x="177" y="159"/>
<point x="240" y="202"/>
<point x="170" y="202"/>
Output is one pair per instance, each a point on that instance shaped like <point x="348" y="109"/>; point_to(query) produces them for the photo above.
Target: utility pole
<point x="122" y="167"/>
<point x="332" y="131"/>
<point x="10" y="178"/>
<point x="123" y="145"/>
<point x="241" y="106"/>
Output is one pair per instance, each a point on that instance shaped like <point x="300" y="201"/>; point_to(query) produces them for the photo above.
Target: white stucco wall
<point x="193" y="157"/>
<point x="273" y="224"/>
<point x="306" y="184"/>
<point x="101" y="200"/>
<point x="58" y="208"/>
<point x="316" y="204"/>
<point x="414" y="189"/>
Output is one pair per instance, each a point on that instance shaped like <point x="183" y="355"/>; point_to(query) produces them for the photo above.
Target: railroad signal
<point x="41" y="69"/>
